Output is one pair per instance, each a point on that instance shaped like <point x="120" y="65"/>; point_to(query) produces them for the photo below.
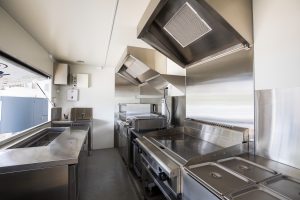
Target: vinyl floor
<point x="105" y="177"/>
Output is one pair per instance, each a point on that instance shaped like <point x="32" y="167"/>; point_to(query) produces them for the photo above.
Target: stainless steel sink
<point x="42" y="138"/>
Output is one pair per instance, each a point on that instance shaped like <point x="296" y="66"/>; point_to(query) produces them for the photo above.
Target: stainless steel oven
<point x="141" y="125"/>
<point x="124" y="141"/>
<point x="136" y="158"/>
<point x="162" y="170"/>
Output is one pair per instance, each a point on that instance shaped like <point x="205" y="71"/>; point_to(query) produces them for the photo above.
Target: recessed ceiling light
<point x="80" y="61"/>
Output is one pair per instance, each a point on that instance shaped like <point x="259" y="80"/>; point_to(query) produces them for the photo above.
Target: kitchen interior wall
<point x="126" y="94"/>
<point x="222" y="91"/>
<point x="179" y="110"/>
<point x="16" y="42"/>
<point x="276" y="33"/>
<point x="276" y="61"/>
<point x="129" y="93"/>
<point x="99" y="95"/>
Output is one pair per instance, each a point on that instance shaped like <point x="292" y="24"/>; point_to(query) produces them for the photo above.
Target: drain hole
<point x="215" y="175"/>
<point x="161" y="147"/>
<point x="243" y="167"/>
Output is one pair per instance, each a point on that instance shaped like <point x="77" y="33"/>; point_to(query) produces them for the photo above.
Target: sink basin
<point x="42" y="138"/>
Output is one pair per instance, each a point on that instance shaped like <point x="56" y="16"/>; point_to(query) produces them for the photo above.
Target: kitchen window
<point x="24" y="94"/>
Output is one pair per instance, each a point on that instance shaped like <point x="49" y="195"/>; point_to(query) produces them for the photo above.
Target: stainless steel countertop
<point x="265" y="162"/>
<point x="271" y="164"/>
<point x="201" y="151"/>
<point x="62" y="122"/>
<point x="186" y="146"/>
<point x="63" y="150"/>
<point x="195" y="151"/>
<point x="139" y="134"/>
<point x="179" y="145"/>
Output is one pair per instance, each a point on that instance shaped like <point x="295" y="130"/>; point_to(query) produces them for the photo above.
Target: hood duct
<point x="138" y="66"/>
<point x="191" y="32"/>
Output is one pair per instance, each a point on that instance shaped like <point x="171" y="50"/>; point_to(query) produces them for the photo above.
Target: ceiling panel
<point x="74" y="30"/>
<point x="125" y="30"/>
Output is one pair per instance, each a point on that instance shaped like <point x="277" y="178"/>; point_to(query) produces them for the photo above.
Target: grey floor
<point x="105" y="177"/>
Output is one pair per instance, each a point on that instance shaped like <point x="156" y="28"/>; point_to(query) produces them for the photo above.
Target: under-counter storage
<point x="45" y="183"/>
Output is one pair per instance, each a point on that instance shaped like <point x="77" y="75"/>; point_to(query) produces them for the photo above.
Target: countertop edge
<point x="63" y="150"/>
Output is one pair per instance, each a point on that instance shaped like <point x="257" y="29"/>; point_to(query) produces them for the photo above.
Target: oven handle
<point x="134" y="143"/>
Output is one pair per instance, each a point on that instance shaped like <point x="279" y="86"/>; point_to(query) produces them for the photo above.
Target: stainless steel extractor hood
<point x="140" y="66"/>
<point x="191" y="32"/>
<point x="175" y="84"/>
<point x="137" y="65"/>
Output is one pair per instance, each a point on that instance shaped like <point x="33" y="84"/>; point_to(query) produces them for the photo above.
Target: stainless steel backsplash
<point x="222" y="91"/>
<point x="278" y="125"/>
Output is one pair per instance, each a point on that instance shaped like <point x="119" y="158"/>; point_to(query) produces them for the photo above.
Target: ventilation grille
<point x="186" y="26"/>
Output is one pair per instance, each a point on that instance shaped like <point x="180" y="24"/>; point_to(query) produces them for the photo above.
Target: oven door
<point x="137" y="164"/>
<point x="123" y="142"/>
<point x="149" y="177"/>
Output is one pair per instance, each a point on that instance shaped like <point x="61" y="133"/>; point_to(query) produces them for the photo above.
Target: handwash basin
<point x="42" y="138"/>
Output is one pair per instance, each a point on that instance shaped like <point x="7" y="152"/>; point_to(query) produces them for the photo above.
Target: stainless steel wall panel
<point x="222" y="90"/>
<point x="178" y="108"/>
<point x="216" y="134"/>
<point x="278" y="126"/>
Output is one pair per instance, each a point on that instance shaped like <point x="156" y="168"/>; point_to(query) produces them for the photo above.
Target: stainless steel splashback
<point x="218" y="134"/>
<point x="78" y="114"/>
<point x="222" y="90"/>
<point x="278" y="125"/>
<point x="56" y="113"/>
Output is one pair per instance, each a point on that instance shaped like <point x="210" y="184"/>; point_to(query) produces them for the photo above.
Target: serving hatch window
<point x="24" y="97"/>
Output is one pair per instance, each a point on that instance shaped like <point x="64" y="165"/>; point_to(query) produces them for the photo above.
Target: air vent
<point x="135" y="67"/>
<point x="186" y="26"/>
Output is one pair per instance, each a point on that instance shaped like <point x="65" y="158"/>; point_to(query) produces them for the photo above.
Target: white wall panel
<point x="100" y="96"/>
<point x="276" y="43"/>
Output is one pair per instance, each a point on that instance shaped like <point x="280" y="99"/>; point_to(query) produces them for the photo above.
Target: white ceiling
<point x="72" y="30"/>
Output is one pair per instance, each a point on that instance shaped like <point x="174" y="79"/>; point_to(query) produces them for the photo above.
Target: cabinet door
<point x="61" y="74"/>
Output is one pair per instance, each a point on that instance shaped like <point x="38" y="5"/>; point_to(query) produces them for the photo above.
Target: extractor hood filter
<point x="135" y="67"/>
<point x="186" y="26"/>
